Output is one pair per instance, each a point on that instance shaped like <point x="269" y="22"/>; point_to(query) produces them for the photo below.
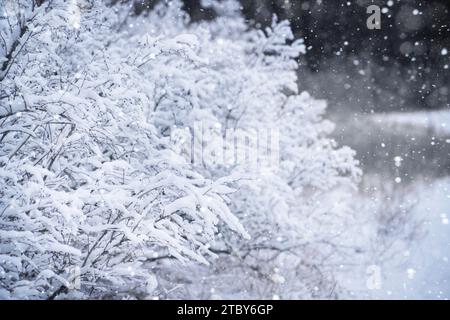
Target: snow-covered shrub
<point x="298" y="214"/>
<point x="95" y="199"/>
<point x="89" y="188"/>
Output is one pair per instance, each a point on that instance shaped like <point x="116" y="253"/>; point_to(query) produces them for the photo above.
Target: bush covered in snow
<point x="96" y="200"/>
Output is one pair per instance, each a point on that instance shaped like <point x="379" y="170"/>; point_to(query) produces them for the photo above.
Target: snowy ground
<point x="426" y="272"/>
<point x="413" y="147"/>
<point x="436" y="121"/>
